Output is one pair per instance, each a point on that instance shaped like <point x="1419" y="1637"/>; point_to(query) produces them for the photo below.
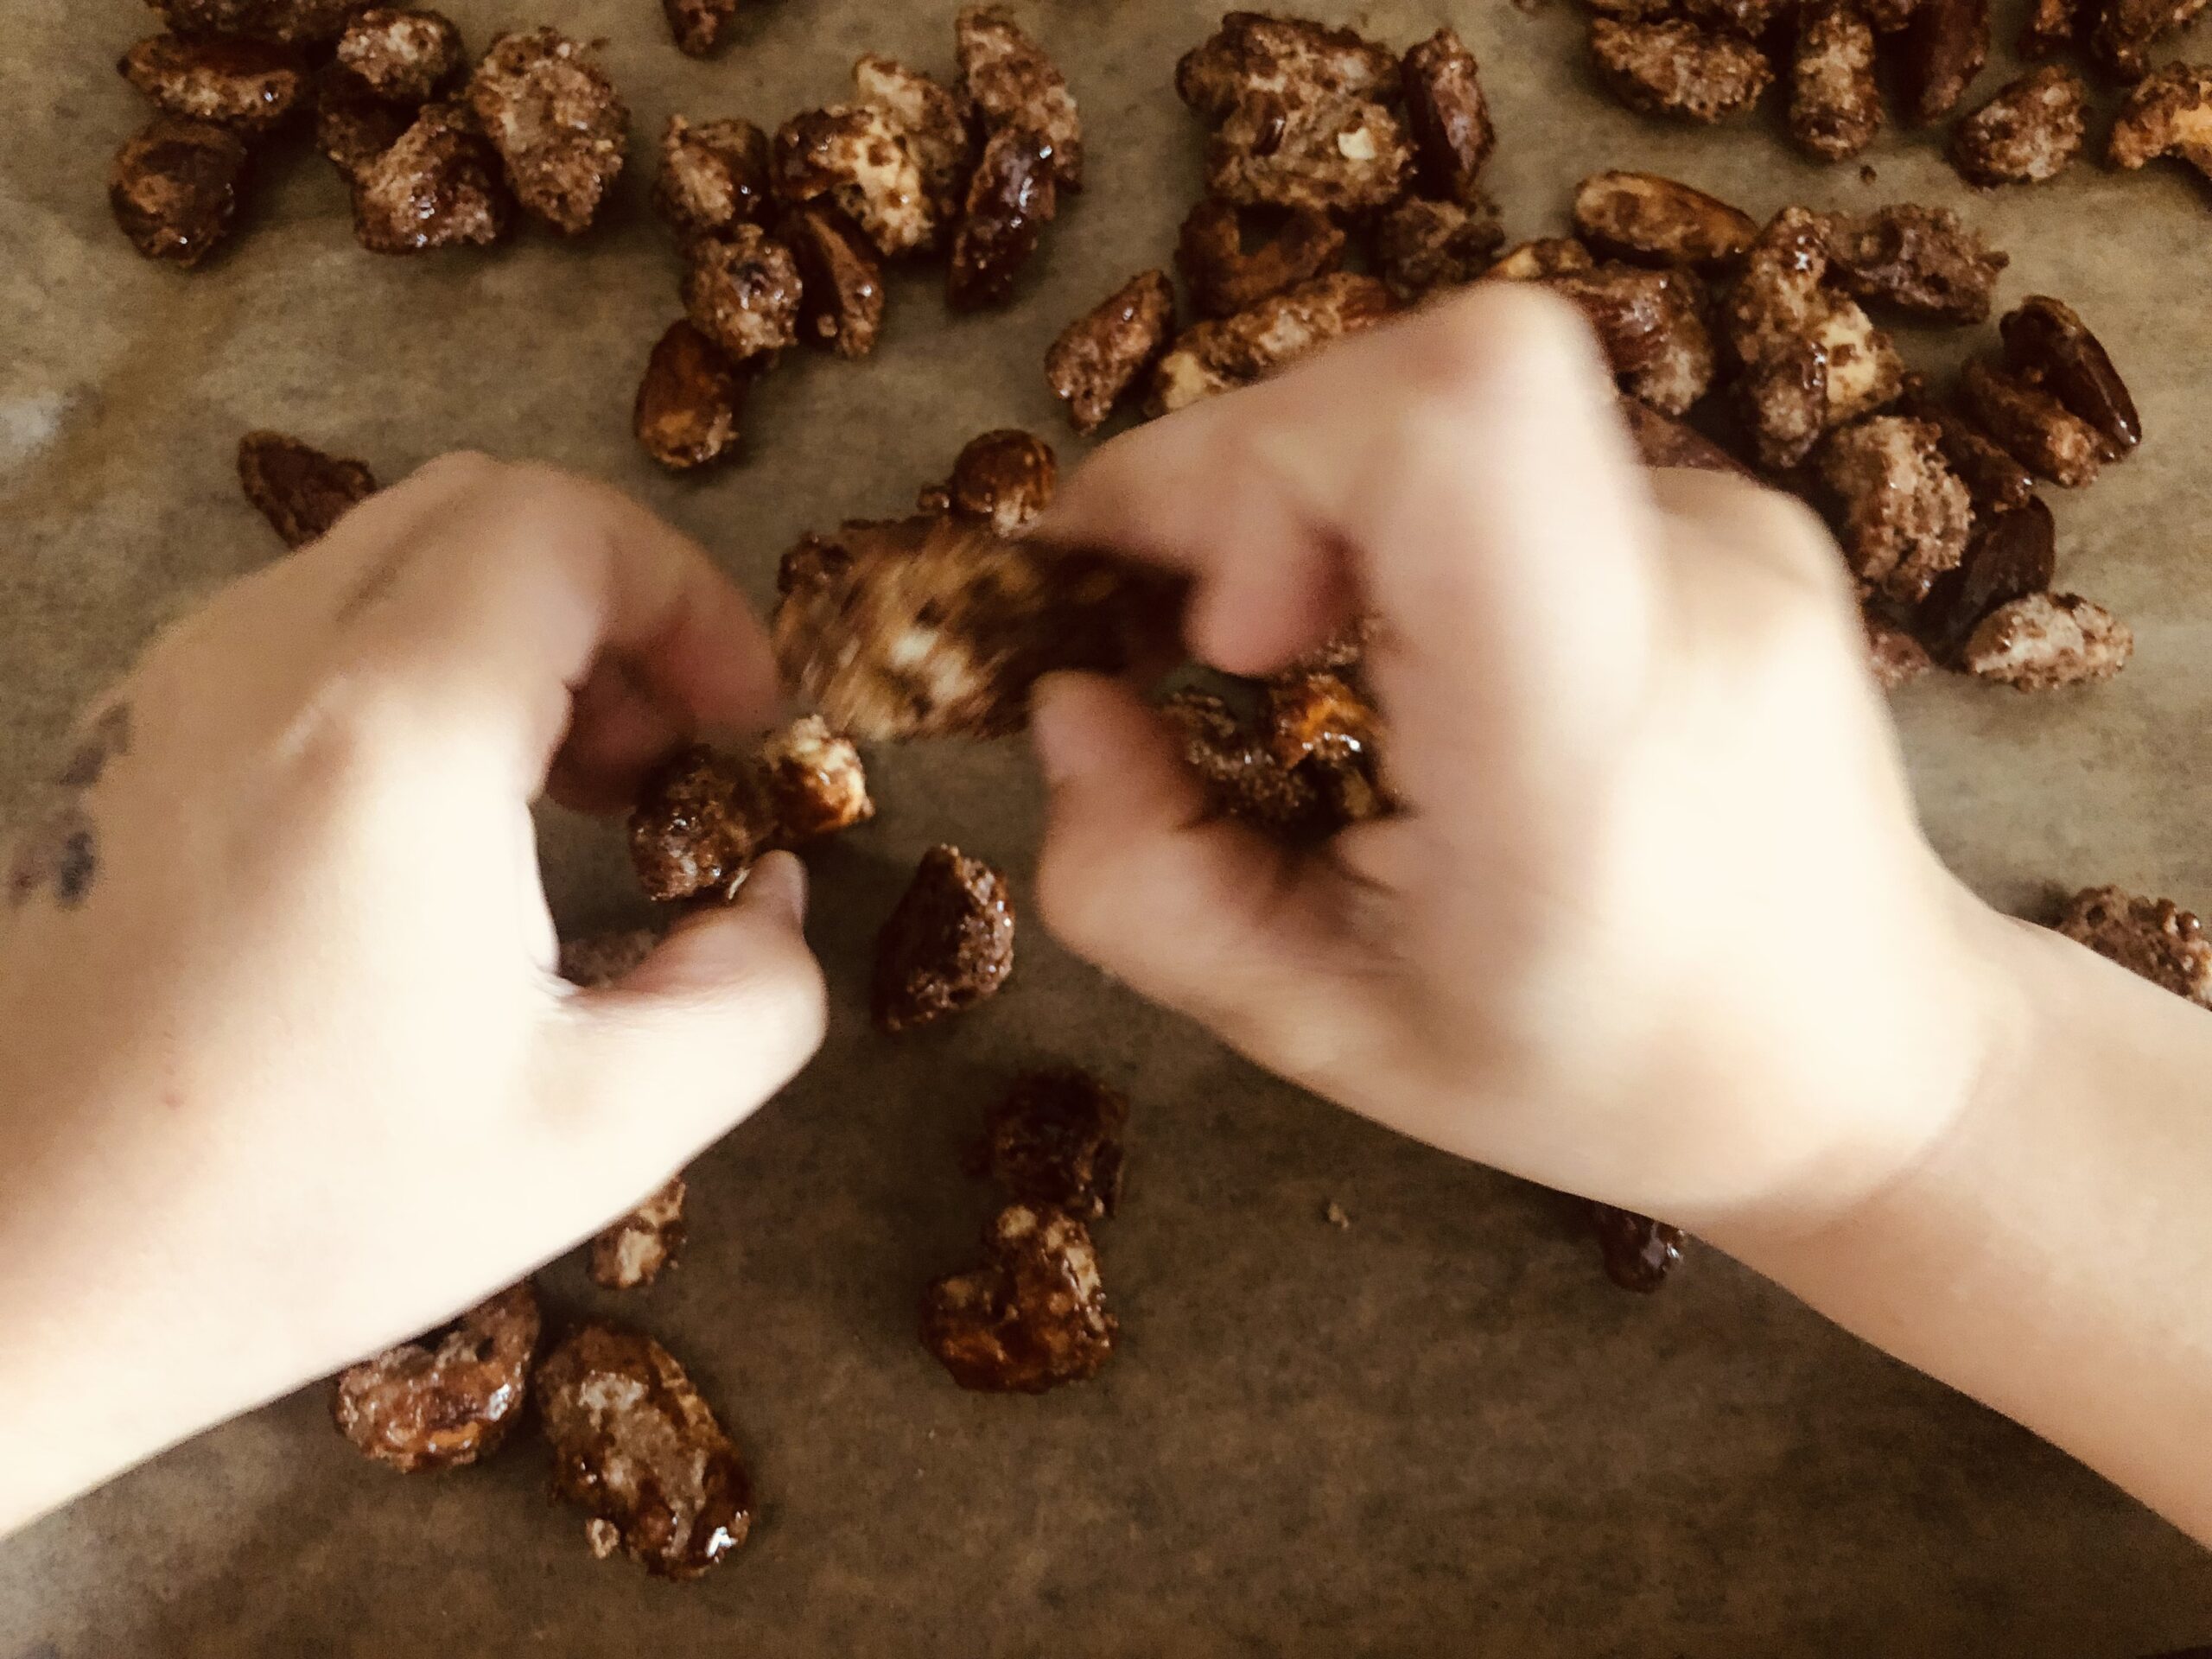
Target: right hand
<point x="1657" y="925"/>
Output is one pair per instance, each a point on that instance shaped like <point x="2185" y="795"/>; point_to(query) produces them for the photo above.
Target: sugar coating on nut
<point x="1924" y="260"/>
<point x="1651" y="327"/>
<point x="1320" y="722"/>
<point x="597" y="960"/>
<point x="742" y="292"/>
<point x="1943" y="49"/>
<point x="448" y="1398"/>
<point x="1648" y="220"/>
<point x="1638" y="1252"/>
<point x="300" y="490"/>
<point x="2154" y="938"/>
<point x="1011" y="198"/>
<point x="1033" y="1317"/>
<point x="2047" y="342"/>
<point x="559" y="126"/>
<point x="816" y="783"/>
<point x="1544" y="256"/>
<point x="714" y="176"/>
<point x="841" y="282"/>
<point x="405" y="56"/>
<point x="2012" y="554"/>
<point x="1103" y="354"/>
<point x="698" y="25"/>
<point x="634" y="1443"/>
<point x="2125" y="29"/>
<point x="1835" y="108"/>
<point x="2168" y="113"/>
<point x="1056" y="1139"/>
<point x="1003" y="478"/>
<point x="1673" y="67"/>
<point x="1422" y="246"/>
<point x="858" y="156"/>
<point x="2035" y="429"/>
<point x="2026" y="133"/>
<point x="1253" y="52"/>
<point x="1244" y="777"/>
<point x="933" y="119"/>
<point x="1013" y="84"/>
<point x="948" y="945"/>
<point x="1321" y="151"/>
<point x="1906" y="515"/>
<point x="353" y="126"/>
<point x="2053" y="26"/>
<point x="1450" y="121"/>
<point x="1225" y="275"/>
<point x="689" y="403"/>
<point x="287" y="22"/>
<point x="252" y="86"/>
<point x="643" y="1244"/>
<point x="175" y="188"/>
<point x="1893" y="654"/>
<point x="2047" y="640"/>
<point x="438" y="187"/>
<point x="1991" y="476"/>
<point x="700" y="821"/>
<point x="1219" y="356"/>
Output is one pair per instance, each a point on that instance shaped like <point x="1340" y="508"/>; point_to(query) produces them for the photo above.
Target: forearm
<point x="2052" y="1256"/>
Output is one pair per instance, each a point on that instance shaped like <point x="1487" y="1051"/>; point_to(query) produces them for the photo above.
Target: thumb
<point x="1261" y="943"/>
<point x="671" y="1057"/>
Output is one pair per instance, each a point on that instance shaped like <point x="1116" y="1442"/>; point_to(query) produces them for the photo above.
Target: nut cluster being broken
<point x="785" y="237"/>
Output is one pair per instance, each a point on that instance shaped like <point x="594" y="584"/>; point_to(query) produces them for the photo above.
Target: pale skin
<point x="1657" y="925"/>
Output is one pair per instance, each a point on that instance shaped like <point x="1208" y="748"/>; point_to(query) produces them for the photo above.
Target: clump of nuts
<point x="2026" y="133"/>
<point x="2154" y="938"/>
<point x="300" y="490"/>
<point x="2011" y="556"/>
<point x="705" y="816"/>
<point x="1304" y="763"/>
<point x="447" y="1399"/>
<point x="1033" y="1317"/>
<point x="948" y="945"/>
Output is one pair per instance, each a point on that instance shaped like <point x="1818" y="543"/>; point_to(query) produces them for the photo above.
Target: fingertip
<point x="776" y="890"/>
<point x="1079" y="724"/>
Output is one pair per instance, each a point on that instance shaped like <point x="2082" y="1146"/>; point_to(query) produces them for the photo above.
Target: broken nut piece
<point x="1835" y="108"/>
<point x="1906" y="517"/>
<point x="1325" y="151"/>
<point x="1451" y="124"/>
<point x="1924" y="261"/>
<point x="1033" y="1317"/>
<point x="934" y="122"/>
<point x="448" y="1398"/>
<point x="714" y="176"/>
<point x="1056" y="1139"/>
<point x="2167" y="113"/>
<point x="741" y="291"/>
<point x="636" y="1250"/>
<point x="840" y="284"/>
<point x="815" y="782"/>
<point x="1011" y="198"/>
<point x="175" y="188"/>
<point x="1648" y="219"/>
<point x="560" y="130"/>
<point x="2047" y="640"/>
<point x="2124" y="31"/>
<point x="1103" y="354"/>
<point x="300" y="490"/>
<point x="1545" y="256"/>
<point x="1670" y="66"/>
<point x="689" y="400"/>
<point x="2153" y="938"/>
<point x="702" y="820"/>
<point x="2034" y="427"/>
<point x="250" y="86"/>
<point x="1661" y="441"/>
<point x="2026" y="133"/>
<point x="858" y="157"/>
<point x="403" y="56"/>
<point x="1223" y="277"/>
<point x="2046" y="341"/>
<point x="948" y="946"/>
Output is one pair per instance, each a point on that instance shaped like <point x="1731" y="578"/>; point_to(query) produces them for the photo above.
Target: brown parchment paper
<point x="1437" y="1431"/>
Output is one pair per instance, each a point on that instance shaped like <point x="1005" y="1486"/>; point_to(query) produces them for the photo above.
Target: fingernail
<point x="779" y="882"/>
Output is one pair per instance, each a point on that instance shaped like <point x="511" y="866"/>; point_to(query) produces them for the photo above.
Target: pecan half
<point x="742" y="292"/>
<point x="300" y="490"/>
<point x="840" y="284"/>
<point x="714" y="176"/>
<point x="1219" y="356"/>
<point x="1013" y="83"/>
<point x="1996" y="482"/>
<point x="2011" y="556"/>
<point x="252" y="86"/>
<point x="1924" y="261"/>
<point x="1011" y="199"/>
<point x="1420" y="246"/>
<point x="689" y="403"/>
<point x="2047" y="342"/>
<point x="1943" y="50"/>
<point x="560" y="130"/>
<point x="2035" y="429"/>
<point x="1835" y="108"/>
<point x="1671" y="66"/>
<point x="1905" y="515"/>
<point x="175" y="188"/>
<point x="2154" y="938"/>
<point x="2047" y="640"/>
<point x="1648" y="220"/>
<point x="2167" y="113"/>
<point x="1100" y="356"/>
<point x="948" y="946"/>
<point x="1450" y="125"/>
<point x="2026" y="133"/>
<point x="405" y="57"/>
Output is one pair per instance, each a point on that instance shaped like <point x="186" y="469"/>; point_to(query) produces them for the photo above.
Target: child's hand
<point x="1657" y="925"/>
<point x="285" y="1071"/>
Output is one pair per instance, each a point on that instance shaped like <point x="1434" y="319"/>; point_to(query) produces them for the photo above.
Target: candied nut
<point x="933" y="626"/>
<point x="1890" y="16"/>
<point x="353" y="126"/>
<point x="1906" y="515"/>
<point x="1325" y="151"/>
<point x="1244" y="777"/>
<point x="949" y="944"/>
<point x="405" y="56"/>
<point x="437" y="188"/>
<point x="1547" y="256"/>
<point x="840" y="284"/>
<point x="291" y="23"/>
<point x="1224" y="278"/>
<point x="2046" y="341"/>
<point x="702" y="819"/>
<point x="1013" y="84"/>
<point x="2045" y="640"/>
<point x="1253" y="52"/>
<point x="1924" y="261"/>
<point x="698" y="25"/>
<point x="556" y="120"/>
<point x="175" y="188"/>
<point x="689" y="403"/>
<point x="1033" y="1317"/>
<point x="2052" y="27"/>
<point x="1835" y="108"/>
<point x="1681" y="371"/>
<point x="1648" y="219"/>
<point x="1452" y="133"/>
<point x="1004" y="477"/>
<point x="1218" y="356"/>
<point x="859" y="159"/>
<point x="2168" y="113"/>
<point x="250" y="86"/>
<point x="2012" y="555"/>
<point x="1639" y="1252"/>
<point x="2124" y="30"/>
<point x="446" y="1399"/>
<point x="1011" y="199"/>
<point x="1105" y="351"/>
<point x="1420" y="246"/>
<point x="598" y="960"/>
<point x="816" y="783"/>
<point x="1777" y="297"/>
<point x="1673" y="68"/>
<point x="934" y="123"/>
<point x="2026" y="133"/>
<point x="1996" y="481"/>
<point x="1784" y="398"/>
<point x="634" y="1443"/>
<point x="713" y="176"/>
<point x="2153" y="938"/>
<point x="1651" y="327"/>
<point x="637" y="1249"/>
<point x="300" y="490"/>
<point x="1944" y="49"/>
<point x="1056" y="1139"/>
<point x="1316" y="721"/>
<point x="1894" y="656"/>
<point x="1661" y="441"/>
<point x="2038" y="430"/>
<point x="742" y="292"/>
